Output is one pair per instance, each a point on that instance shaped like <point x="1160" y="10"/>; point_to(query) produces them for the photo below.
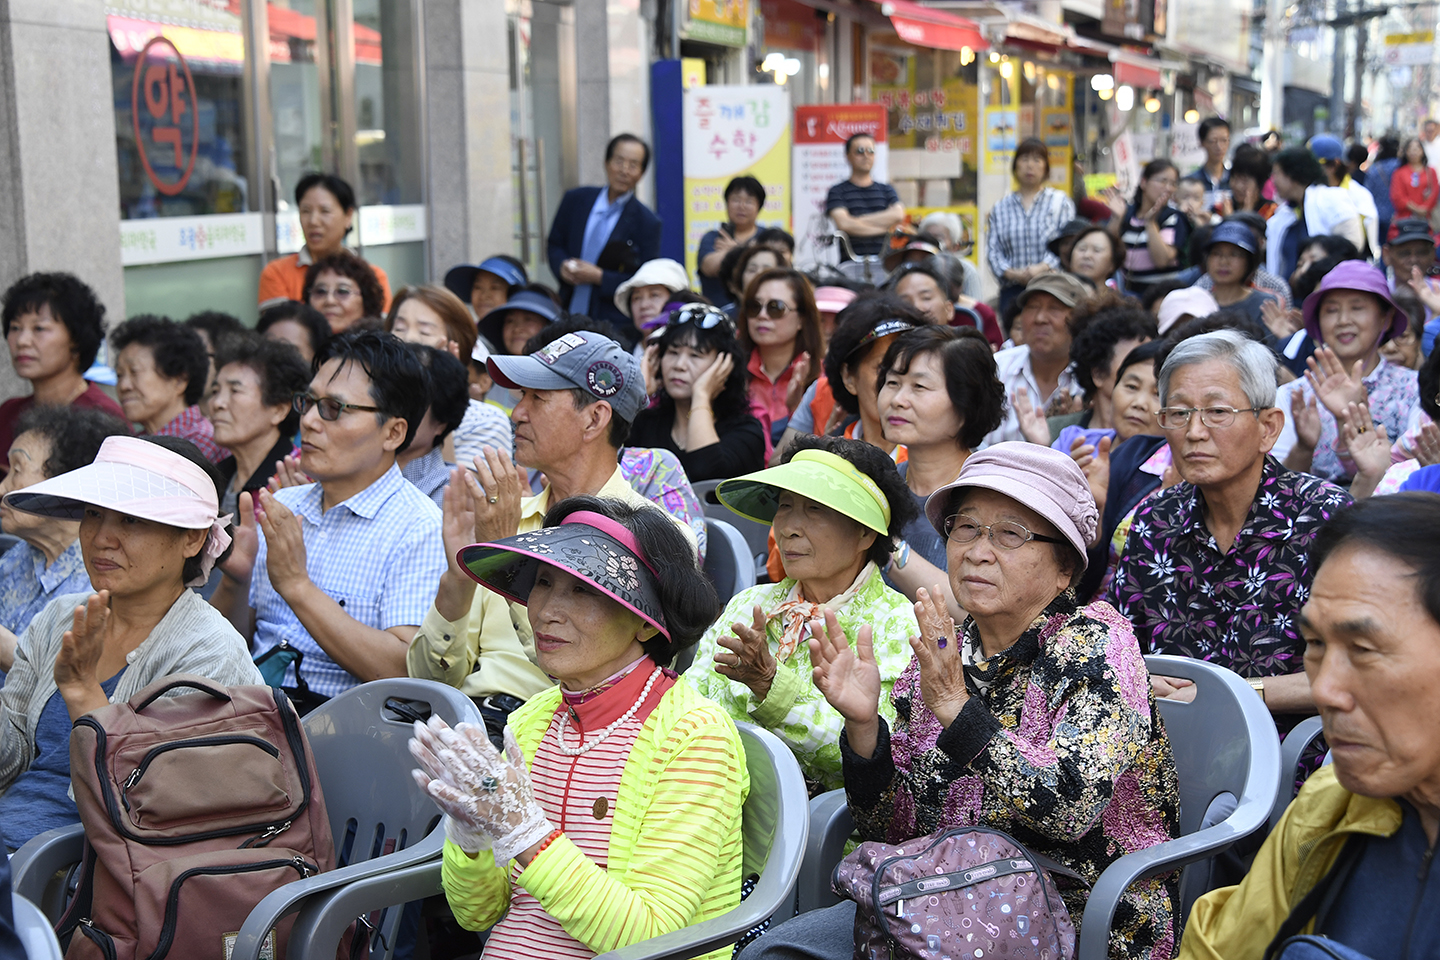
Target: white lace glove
<point x="483" y="793"/>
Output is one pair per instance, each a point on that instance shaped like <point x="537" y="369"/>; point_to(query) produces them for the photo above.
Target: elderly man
<point x="1037" y="375"/>
<point x="1350" y="861"/>
<point x="578" y="396"/>
<point x="1411" y="247"/>
<point x="1216" y="567"/>
<point x="343" y="566"/>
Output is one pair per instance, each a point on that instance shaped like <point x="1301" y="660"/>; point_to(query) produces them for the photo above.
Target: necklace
<point x="584" y="747"/>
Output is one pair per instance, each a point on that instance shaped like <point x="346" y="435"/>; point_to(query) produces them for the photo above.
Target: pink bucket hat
<point x="1354" y="275"/>
<point x="1045" y="480"/>
<point x="833" y="299"/>
<point x="143" y="479"/>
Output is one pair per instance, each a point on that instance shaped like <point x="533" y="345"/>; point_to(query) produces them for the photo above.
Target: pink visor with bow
<point x="139" y="478"/>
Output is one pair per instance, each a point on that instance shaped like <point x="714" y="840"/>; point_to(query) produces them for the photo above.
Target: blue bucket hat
<point x="492" y="325"/>
<point x="461" y="280"/>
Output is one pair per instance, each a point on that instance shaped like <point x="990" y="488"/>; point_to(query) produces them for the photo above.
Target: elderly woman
<point x="149" y="530"/>
<point x="836" y="507"/>
<point x="1095" y="254"/>
<point x="162" y="369"/>
<point x="485" y="285"/>
<point x="1358" y="840"/>
<point x="252" y="412"/>
<point x="647" y="296"/>
<point x="346" y="290"/>
<point x="326" y="205"/>
<point x="1350" y="315"/>
<point x="296" y="323"/>
<point x="703" y="412"/>
<point x="1035" y="717"/>
<point x="51" y="441"/>
<point x="613" y="815"/>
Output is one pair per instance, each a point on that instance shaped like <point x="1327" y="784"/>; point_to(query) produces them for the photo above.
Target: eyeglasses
<point x="339" y="293"/>
<point x="1004" y="533"/>
<point x="703" y="316"/>
<point x="1178" y="418"/>
<point x="775" y="309"/>
<point x="621" y="163"/>
<point x="863" y="151"/>
<point x="330" y="408"/>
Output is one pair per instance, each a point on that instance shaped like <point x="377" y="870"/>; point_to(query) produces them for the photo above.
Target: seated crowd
<point x="1204" y="428"/>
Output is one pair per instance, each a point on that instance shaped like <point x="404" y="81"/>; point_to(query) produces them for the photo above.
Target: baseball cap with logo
<point x="591" y="361"/>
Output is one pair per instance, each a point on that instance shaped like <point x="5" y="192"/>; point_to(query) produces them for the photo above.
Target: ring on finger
<point x="489" y="784"/>
<point x="492" y="499"/>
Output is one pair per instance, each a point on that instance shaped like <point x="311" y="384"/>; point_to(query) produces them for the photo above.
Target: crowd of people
<point x="1197" y="420"/>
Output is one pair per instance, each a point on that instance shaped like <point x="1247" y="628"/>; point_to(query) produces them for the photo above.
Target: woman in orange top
<point x="327" y="214"/>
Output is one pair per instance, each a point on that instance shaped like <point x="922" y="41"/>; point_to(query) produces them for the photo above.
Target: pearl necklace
<point x="585" y="748"/>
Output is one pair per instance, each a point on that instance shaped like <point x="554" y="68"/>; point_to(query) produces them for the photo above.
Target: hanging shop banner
<point x="1185" y="150"/>
<point x="718" y="21"/>
<point x="1001" y="127"/>
<point x="819" y="163"/>
<point x="730" y="131"/>
<point x="1409" y="49"/>
<point x="1127" y="163"/>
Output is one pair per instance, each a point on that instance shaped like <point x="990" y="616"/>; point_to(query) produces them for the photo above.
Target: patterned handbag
<point x="965" y="894"/>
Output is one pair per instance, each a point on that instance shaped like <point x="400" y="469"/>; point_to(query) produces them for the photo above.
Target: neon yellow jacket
<point x="1238" y="923"/>
<point x="675" y="848"/>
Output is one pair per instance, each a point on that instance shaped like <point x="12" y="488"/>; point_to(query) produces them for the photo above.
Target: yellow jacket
<point x="1238" y="923"/>
<point x="675" y="854"/>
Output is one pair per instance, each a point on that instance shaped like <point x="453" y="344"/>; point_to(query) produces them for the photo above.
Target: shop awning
<point x="937" y="29"/>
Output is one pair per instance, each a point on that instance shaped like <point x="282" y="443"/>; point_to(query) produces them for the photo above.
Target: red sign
<point x="836" y="123"/>
<point x="168" y="90"/>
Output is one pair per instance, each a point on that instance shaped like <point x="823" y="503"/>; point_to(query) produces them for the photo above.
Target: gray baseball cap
<point x="591" y="361"/>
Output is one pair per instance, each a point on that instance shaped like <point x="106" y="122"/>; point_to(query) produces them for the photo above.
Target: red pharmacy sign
<point x="168" y="90"/>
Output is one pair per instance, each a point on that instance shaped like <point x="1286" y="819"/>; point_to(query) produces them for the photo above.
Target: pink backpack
<point x="963" y="893"/>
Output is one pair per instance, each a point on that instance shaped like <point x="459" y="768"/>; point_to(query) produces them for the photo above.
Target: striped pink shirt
<point x="578" y="794"/>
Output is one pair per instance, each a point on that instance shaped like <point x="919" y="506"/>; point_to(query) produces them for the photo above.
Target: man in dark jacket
<point x="601" y="235"/>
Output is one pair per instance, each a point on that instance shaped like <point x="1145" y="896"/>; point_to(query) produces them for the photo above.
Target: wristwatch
<point x="899" y="557"/>
<point x="1259" y="687"/>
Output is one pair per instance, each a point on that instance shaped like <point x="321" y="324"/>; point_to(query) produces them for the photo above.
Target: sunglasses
<point x="703" y="316"/>
<point x="330" y="408"/>
<point x="774" y="309"/>
<point x="863" y="151"/>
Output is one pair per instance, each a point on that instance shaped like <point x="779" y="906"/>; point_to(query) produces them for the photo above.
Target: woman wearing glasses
<point x="346" y="291"/>
<point x="780" y="335"/>
<point x="1034" y="716"/>
<point x="703" y="414"/>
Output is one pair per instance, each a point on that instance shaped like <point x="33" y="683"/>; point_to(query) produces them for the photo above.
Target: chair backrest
<point x="34" y="931"/>
<point x="728" y="562"/>
<point x="362" y="753"/>
<point x="776" y="819"/>
<point x="757" y="535"/>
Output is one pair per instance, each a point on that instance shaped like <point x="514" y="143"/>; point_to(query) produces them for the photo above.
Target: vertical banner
<point x="819" y="163"/>
<point x="1127" y="163"/>
<point x="731" y="131"/>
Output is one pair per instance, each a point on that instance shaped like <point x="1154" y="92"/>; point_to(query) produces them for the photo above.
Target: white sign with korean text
<point x="171" y="239"/>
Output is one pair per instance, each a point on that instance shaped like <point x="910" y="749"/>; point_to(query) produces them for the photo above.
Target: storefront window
<point x="294" y="100"/>
<point x="387" y="125"/>
<point x="541" y="38"/>
<point x="799" y="33"/>
<point x="179" y="117"/>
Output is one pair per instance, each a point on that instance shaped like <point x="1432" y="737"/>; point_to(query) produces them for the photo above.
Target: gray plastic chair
<point x="775" y="827"/>
<point x="1296" y="742"/>
<point x="757" y="535"/>
<point x="1224" y="742"/>
<point x="35" y="933"/>
<point x="730" y="568"/>
<point x="379" y="817"/>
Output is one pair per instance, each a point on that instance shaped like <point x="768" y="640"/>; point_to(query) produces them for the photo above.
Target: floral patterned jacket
<point x="1059" y="745"/>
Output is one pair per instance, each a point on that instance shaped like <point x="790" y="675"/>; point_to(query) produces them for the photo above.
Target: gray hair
<point x="1251" y="359"/>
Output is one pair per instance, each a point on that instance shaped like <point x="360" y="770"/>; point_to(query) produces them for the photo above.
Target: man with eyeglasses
<point x="1214" y="173"/>
<point x="341" y="570"/>
<point x="601" y="236"/>
<point x="865" y="209"/>
<point x="1217" y="567"/>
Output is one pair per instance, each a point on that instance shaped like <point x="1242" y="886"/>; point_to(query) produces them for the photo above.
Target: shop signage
<point x="718" y="21"/>
<point x="1127" y="163"/>
<point x="170" y="239"/>
<point x="818" y="163"/>
<point x="730" y="131"/>
<point x="168" y="92"/>
<point x="1409" y="49"/>
<point x="380" y="225"/>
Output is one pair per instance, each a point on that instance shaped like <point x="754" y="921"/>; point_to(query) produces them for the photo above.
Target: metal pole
<point x="1337" y="75"/>
<point x="1272" y="81"/>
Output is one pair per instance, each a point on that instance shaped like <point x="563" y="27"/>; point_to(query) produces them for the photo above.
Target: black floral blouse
<point x="1059" y="745"/>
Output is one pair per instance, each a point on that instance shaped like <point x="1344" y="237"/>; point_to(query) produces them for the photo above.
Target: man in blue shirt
<point x="865" y="209"/>
<point x="601" y="236"/>
<point x="342" y="569"/>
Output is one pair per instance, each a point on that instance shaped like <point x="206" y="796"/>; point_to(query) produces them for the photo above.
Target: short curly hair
<point x="347" y="264"/>
<point x="877" y="465"/>
<point x="179" y="352"/>
<point x="278" y="365"/>
<point x="75" y="434"/>
<point x="71" y="302"/>
<point x="1092" y="350"/>
<point x="688" y="602"/>
<point x="852" y="325"/>
<point x="971" y="378"/>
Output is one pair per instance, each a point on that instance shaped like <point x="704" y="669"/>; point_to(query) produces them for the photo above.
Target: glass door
<point x="298" y="87"/>
<point x="541" y="39"/>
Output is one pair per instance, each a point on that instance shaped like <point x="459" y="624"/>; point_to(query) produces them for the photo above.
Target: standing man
<point x="863" y="208"/>
<point x="1214" y="173"/>
<point x="1022" y="224"/>
<point x="1430" y="139"/>
<point x="601" y="235"/>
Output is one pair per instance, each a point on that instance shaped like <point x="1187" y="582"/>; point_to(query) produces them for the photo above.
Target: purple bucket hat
<point x="1045" y="480"/>
<point x="1354" y="275"/>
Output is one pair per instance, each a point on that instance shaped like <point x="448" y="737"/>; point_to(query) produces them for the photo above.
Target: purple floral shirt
<point x="1237" y="608"/>
<point x="1393" y="392"/>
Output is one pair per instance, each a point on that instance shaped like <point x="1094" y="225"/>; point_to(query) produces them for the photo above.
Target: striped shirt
<point x="573" y="790"/>
<point x="858" y="201"/>
<point x="485" y="424"/>
<point x="1263" y="280"/>
<point x="1016" y="238"/>
<point x="378" y="554"/>
<point x="1135" y="235"/>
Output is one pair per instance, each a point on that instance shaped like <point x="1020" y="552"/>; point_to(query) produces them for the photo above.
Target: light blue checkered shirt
<point x="378" y="554"/>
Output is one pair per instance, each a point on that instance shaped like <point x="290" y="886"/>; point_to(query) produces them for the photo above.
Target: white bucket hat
<point x="664" y="273"/>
